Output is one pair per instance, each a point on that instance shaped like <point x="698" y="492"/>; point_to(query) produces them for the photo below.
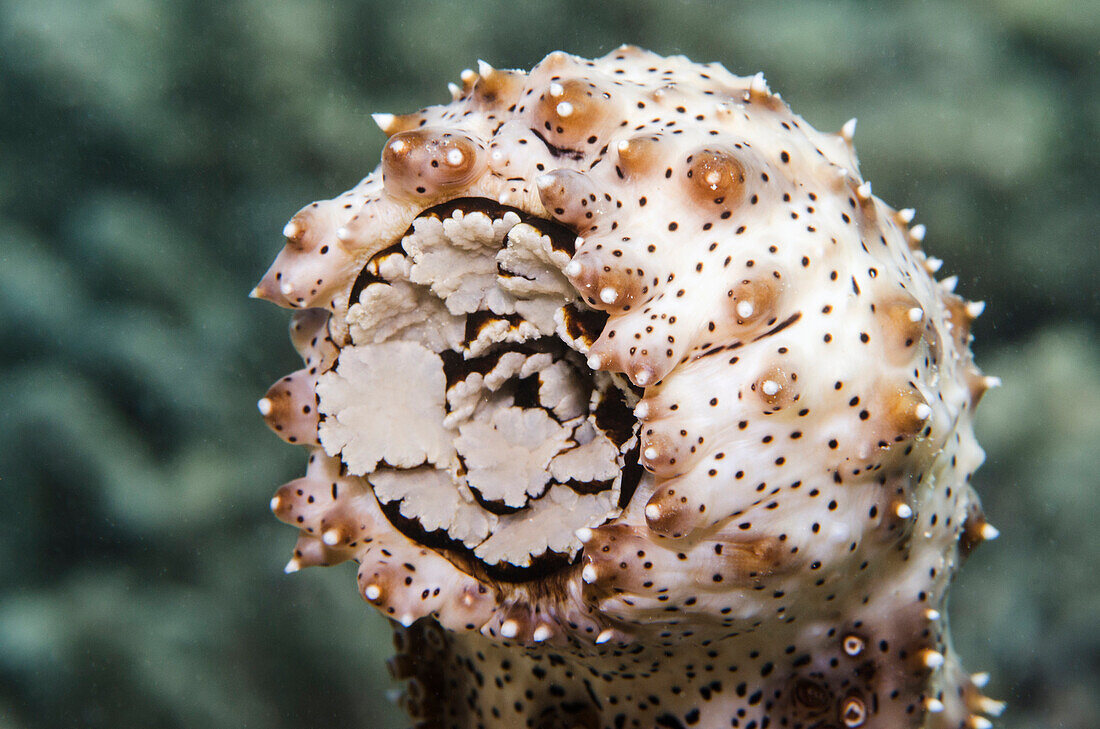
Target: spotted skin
<point x="745" y="401"/>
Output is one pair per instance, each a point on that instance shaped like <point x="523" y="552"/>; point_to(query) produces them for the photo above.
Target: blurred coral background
<point x="150" y="154"/>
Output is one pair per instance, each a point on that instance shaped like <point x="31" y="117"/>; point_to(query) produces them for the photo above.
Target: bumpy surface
<point x="635" y="408"/>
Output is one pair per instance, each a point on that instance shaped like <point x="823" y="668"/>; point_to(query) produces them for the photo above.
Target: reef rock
<point x="635" y="408"/>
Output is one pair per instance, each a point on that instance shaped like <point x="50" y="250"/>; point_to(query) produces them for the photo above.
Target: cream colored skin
<point x="802" y="386"/>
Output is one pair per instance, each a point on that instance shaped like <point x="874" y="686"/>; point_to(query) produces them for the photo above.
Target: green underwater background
<point x="150" y="153"/>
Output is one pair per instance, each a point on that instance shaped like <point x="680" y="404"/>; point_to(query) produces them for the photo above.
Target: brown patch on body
<point x="973" y="528"/>
<point x="903" y="322"/>
<point x="777" y="388"/>
<point x="608" y="283"/>
<point x="746" y="562"/>
<point x="959" y="317"/>
<point x="752" y="305"/>
<point x="905" y="414"/>
<point x="639" y="154"/>
<point x="716" y="178"/>
<point x="571" y="111"/>
<point x="499" y="88"/>
<point x="430" y="162"/>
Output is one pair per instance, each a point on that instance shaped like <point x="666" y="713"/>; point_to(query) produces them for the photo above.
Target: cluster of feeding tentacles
<point x="635" y="408"/>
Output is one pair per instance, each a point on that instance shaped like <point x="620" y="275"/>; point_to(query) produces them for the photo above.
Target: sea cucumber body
<point x="636" y="408"/>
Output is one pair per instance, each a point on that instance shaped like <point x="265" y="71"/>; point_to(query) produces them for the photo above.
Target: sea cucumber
<point x="636" y="408"/>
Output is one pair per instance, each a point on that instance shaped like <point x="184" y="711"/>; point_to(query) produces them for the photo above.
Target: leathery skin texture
<point x="635" y="408"/>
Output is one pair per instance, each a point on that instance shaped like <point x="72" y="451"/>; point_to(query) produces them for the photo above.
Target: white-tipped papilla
<point x="923" y="411"/>
<point x="950" y="283"/>
<point x="980" y="679"/>
<point x="932" y="659"/>
<point x="932" y="614"/>
<point x="904" y="511"/>
<point x="933" y="705"/>
<point x="990" y="532"/>
<point x="556" y="90"/>
<point x="455" y="157"/>
<point x="290" y="230"/>
<point x="484" y="69"/>
<point x="331" y="537"/>
<point x="641" y="410"/>
<point x="542" y="633"/>
<point x="594" y="362"/>
<point x="373" y="592"/>
<point x="916" y="314"/>
<point x="573" y="268"/>
<point x="906" y="215"/>
<point x="287" y="289"/>
<point x="608" y="294"/>
<point x="604" y="636"/>
<point x="584" y="534"/>
<point x="509" y="628"/>
<point x="652" y="511"/>
<point x="651" y="454"/>
<point x="292" y="566"/>
<point x="974" y="309"/>
<point x="864" y="191"/>
<point x="979" y="722"/>
<point x="564" y="109"/>
<point x="588" y="574"/>
<point x="745" y="309"/>
<point x="917" y="232"/>
<point x="276" y="502"/>
<point x="770" y="387"/>
<point x="991" y="706"/>
<point x="848" y="131"/>
<point x="265" y="406"/>
<point x="384" y="121"/>
<point x="933" y="264"/>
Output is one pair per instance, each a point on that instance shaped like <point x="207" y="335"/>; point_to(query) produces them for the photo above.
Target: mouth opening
<point x="542" y="445"/>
